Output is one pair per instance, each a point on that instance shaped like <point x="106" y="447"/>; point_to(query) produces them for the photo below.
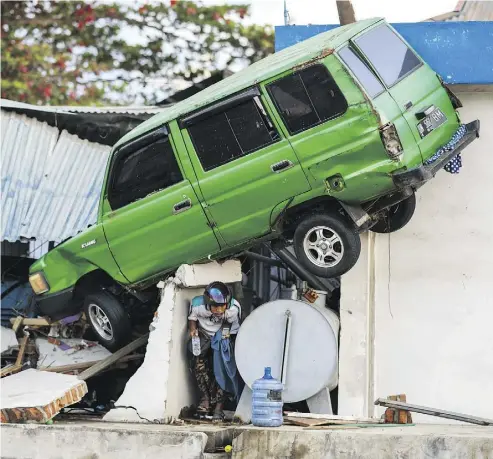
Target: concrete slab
<point x="100" y="440"/>
<point x="37" y="396"/>
<point x="405" y="442"/>
<point x="201" y="275"/>
<point x="127" y="441"/>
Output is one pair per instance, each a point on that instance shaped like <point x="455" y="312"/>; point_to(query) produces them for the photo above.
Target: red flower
<point x="47" y="91"/>
<point x="80" y="25"/>
<point x="22" y="69"/>
<point x="71" y="95"/>
<point x="173" y="3"/>
<point x="22" y="96"/>
<point x="191" y="11"/>
<point x="142" y="9"/>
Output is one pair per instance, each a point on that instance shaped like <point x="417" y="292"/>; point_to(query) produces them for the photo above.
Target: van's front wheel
<point x="326" y="245"/>
<point x="108" y="320"/>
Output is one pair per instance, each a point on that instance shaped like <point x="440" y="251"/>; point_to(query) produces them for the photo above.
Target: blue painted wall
<point x="460" y="52"/>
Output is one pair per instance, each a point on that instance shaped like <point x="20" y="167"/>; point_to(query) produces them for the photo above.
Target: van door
<point x="414" y="86"/>
<point x="244" y="167"/>
<point x="333" y="130"/>
<point x="154" y="221"/>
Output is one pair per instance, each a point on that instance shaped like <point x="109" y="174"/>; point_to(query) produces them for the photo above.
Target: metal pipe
<point x="262" y="258"/>
<point x="294" y="265"/>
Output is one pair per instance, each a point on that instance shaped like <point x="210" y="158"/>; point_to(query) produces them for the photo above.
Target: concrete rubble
<point x="81" y="351"/>
<point x="8" y="340"/>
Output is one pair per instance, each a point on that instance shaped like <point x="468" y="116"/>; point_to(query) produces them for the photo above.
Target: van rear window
<point x="364" y="75"/>
<point x="390" y="56"/>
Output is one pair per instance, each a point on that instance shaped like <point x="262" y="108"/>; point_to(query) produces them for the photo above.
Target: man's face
<point x="218" y="310"/>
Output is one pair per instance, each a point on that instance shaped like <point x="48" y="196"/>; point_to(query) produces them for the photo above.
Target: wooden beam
<point x="22" y="350"/>
<point x="37" y="322"/>
<point x="16" y="323"/>
<point x="105" y="363"/>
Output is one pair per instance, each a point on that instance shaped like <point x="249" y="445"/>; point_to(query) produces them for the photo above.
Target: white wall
<point x="417" y="310"/>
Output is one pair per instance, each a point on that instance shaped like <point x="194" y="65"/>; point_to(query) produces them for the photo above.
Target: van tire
<point x="113" y="327"/>
<point x="396" y="217"/>
<point x="335" y="235"/>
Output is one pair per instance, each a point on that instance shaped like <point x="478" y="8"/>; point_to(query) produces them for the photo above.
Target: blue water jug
<point x="267" y="401"/>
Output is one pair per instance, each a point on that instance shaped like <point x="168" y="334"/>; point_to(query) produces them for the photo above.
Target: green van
<point x="314" y="144"/>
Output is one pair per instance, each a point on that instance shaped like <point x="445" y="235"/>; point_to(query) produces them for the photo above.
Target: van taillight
<point x="391" y="140"/>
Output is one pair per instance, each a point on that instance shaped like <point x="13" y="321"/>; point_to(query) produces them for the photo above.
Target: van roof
<point x="261" y="70"/>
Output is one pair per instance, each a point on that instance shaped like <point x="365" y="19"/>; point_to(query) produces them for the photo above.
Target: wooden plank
<point x="10" y="370"/>
<point x="305" y="422"/>
<point x="332" y="417"/>
<point x="434" y="412"/>
<point x="35" y="322"/>
<point x="84" y="365"/>
<point x="105" y="363"/>
<point x="22" y="350"/>
<point x="16" y="323"/>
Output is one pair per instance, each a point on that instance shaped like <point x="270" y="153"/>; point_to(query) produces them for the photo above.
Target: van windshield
<point x="390" y="56"/>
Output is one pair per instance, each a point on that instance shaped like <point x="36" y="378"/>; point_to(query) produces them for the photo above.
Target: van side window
<point x="307" y="98"/>
<point x="142" y="172"/>
<point x="390" y="56"/>
<point x="364" y="75"/>
<point x="231" y="134"/>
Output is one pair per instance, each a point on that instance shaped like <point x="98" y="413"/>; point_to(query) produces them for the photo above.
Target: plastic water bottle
<point x="195" y="345"/>
<point x="267" y="401"/>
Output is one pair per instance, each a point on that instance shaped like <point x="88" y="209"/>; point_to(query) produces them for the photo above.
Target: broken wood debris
<point x="105" y="363"/>
<point x="434" y="412"/>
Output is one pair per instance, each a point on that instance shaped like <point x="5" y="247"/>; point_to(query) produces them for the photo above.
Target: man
<point x="213" y="316"/>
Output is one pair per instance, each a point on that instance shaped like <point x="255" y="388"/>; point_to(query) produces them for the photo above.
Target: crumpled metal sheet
<point x="51" y="182"/>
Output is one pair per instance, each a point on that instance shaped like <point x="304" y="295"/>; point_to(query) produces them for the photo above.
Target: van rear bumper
<point x="421" y="174"/>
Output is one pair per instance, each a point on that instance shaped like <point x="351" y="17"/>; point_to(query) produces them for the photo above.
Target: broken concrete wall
<point x="162" y="386"/>
<point x="416" y="311"/>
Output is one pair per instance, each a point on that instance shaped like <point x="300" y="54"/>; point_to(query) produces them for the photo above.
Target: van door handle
<point x="281" y="166"/>
<point x="182" y="206"/>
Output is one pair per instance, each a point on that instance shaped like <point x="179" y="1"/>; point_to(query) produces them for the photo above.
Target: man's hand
<point x="193" y="333"/>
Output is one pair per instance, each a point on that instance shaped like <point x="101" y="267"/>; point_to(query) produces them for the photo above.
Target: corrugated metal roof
<point x="259" y="71"/>
<point x="7" y="103"/>
<point x="50" y="182"/>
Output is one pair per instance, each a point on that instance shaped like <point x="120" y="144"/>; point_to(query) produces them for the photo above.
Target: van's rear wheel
<point x="108" y="319"/>
<point x="326" y="245"/>
<point x="396" y="217"/>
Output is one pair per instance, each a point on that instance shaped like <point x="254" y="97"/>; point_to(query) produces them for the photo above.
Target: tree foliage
<point x="64" y="53"/>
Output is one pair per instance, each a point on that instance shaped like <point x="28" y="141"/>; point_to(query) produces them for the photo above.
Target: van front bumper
<point x="419" y="175"/>
<point x="57" y="305"/>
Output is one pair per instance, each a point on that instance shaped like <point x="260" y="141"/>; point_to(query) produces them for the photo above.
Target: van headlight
<point x="38" y="283"/>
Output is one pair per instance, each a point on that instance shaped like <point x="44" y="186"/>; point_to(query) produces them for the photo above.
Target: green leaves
<point x="64" y="53"/>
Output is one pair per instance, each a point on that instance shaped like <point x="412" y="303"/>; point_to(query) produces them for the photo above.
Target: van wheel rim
<point x="323" y="247"/>
<point x="100" y="322"/>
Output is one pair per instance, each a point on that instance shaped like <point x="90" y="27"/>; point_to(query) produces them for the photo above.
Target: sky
<point x="325" y="11"/>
